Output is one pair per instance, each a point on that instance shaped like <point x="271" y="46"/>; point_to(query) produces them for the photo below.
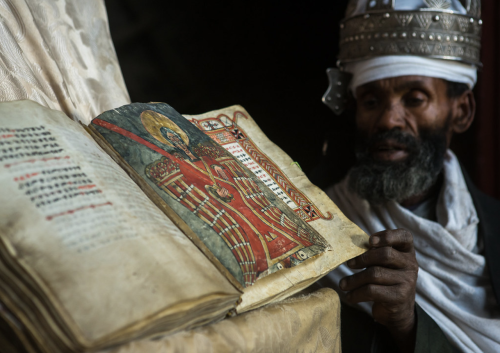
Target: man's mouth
<point x="389" y="151"/>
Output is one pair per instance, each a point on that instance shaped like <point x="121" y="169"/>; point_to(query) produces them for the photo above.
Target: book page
<point x="237" y="132"/>
<point x="248" y="228"/>
<point x="86" y="232"/>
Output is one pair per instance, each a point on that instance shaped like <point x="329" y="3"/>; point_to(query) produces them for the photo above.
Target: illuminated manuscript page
<point x="108" y="258"/>
<point x="244" y="223"/>
<point x="238" y="133"/>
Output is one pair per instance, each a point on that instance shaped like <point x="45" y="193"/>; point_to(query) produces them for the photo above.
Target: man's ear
<point x="465" y="111"/>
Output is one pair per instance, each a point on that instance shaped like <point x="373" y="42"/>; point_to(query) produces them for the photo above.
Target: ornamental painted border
<point x="307" y="210"/>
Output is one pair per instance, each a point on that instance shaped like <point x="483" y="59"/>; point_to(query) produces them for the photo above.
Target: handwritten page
<point x="86" y="233"/>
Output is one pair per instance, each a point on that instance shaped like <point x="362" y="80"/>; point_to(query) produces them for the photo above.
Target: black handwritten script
<point x="26" y="142"/>
<point x="237" y="151"/>
<point x="55" y="183"/>
<point x="42" y="170"/>
<point x="85" y="199"/>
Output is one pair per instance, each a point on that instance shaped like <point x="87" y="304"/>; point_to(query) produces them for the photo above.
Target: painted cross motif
<point x="310" y="211"/>
<point x="238" y="134"/>
<point x="210" y="125"/>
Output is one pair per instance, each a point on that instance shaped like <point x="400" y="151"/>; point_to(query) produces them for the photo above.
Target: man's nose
<point x="393" y="116"/>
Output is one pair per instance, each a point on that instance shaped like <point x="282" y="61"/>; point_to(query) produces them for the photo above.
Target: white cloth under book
<point x="309" y="323"/>
<point x="60" y="54"/>
<point x="453" y="284"/>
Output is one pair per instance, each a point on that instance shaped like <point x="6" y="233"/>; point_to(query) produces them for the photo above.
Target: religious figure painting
<point x="250" y="230"/>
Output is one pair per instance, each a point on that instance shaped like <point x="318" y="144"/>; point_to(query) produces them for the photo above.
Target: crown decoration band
<point x="432" y="34"/>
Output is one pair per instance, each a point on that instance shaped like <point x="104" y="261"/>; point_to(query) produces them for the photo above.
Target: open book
<point x="148" y="222"/>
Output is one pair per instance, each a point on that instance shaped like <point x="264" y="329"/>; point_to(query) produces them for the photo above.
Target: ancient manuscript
<point x="235" y="130"/>
<point x="213" y="172"/>
<point x="148" y="222"/>
<point x="86" y="259"/>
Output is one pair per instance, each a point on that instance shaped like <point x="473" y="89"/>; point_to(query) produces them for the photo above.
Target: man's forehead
<point x="402" y="83"/>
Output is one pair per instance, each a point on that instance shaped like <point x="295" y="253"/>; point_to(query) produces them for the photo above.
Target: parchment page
<point x="249" y="229"/>
<point x="86" y="232"/>
<point x="237" y="132"/>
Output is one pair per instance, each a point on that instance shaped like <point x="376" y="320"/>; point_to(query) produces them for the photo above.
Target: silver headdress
<point x="437" y="29"/>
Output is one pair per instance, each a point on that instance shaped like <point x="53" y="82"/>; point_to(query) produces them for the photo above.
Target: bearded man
<point x="431" y="278"/>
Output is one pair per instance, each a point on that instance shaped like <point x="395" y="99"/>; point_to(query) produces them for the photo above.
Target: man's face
<point x="403" y="127"/>
<point x="410" y="104"/>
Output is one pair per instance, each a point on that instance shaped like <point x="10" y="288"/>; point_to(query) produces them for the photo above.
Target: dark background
<point x="270" y="57"/>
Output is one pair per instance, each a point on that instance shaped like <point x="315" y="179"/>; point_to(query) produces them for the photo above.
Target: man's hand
<point x="389" y="281"/>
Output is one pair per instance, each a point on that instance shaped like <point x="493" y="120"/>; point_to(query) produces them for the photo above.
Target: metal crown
<point x="440" y="29"/>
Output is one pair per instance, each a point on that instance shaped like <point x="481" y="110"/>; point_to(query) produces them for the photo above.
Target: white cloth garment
<point x="60" y="54"/>
<point x="383" y="67"/>
<point x="453" y="284"/>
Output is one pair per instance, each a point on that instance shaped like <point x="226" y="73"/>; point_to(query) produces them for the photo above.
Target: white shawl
<point x="453" y="285"/>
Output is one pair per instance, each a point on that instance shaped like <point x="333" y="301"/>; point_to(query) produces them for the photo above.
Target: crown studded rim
<point x="432" y="34"/>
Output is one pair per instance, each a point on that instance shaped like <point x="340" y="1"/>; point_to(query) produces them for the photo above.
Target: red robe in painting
<point x="215" y="188"/>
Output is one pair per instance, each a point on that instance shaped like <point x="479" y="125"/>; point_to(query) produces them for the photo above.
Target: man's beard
<point x="380" y="181"/>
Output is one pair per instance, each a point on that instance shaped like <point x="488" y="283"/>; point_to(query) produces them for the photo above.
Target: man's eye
<point x="369" y="103"/>
<point x="414" y="101"/>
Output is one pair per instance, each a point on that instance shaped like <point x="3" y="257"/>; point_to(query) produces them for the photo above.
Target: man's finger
<point x="385" y="257"/>
<point x="373" y="293"/>
<point x="399" y="239"/>
<point x="372" y="275"/>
